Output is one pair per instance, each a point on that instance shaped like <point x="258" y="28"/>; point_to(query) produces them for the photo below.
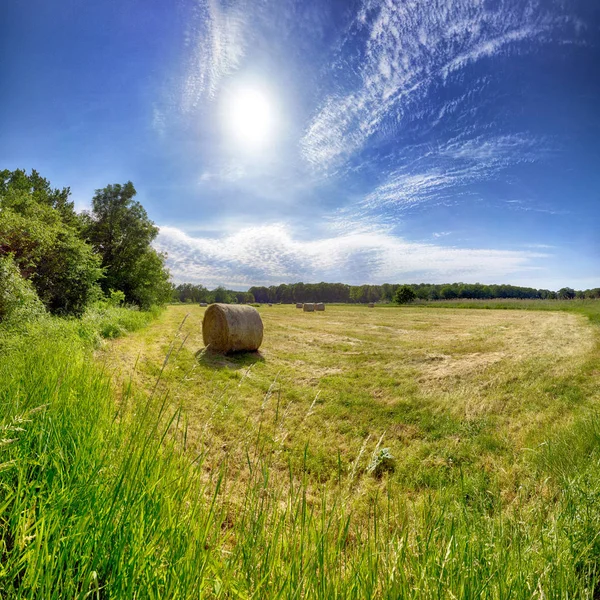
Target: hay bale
<point x="203" y="304"/>
<point x="308" y="307"/>
<point x="319" y="306"/>
<point x="270" y="304"/>
<point x="299" y="305"/>
<point x="232" y="328"/>
<point x="371" y="304"/>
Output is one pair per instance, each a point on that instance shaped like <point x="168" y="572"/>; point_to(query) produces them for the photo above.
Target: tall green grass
<point x="101" y="499"/>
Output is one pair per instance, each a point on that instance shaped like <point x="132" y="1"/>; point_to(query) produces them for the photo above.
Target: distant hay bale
<point x="270" y="304"/>
<point x="203" y="304"/>
<point x="319" y="306"/>
<point x="232" y="328"/>
<point x="371" y="304"/>
<point x="308" y="307"/>
<point x="299" y="305"/>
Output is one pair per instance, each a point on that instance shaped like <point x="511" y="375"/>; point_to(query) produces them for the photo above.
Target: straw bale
<point x="308" y="307"/>
<point x="371" y="304"/>
<point x="299" y="305"/>
<point x="232" y="328"/>
<point x="319" y="306"/>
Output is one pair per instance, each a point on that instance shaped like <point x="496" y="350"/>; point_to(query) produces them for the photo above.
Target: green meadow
<point x="396" y="452"/>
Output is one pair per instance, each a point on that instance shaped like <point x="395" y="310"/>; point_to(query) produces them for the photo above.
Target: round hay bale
<point x="299" y="305"/>
<point x="308" y="307"/>
<point x="371" y="304"/>
<point x="203" y="304"/>
<point x="270" y="304"/>
<point x="230" y="328"/>
<point x="319" y="306"/>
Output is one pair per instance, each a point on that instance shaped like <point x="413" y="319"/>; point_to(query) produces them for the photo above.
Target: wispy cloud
<point x="271" y="255"/>
<point x="216" y="36"/>
<point x="403" y="49"/>
<point x="444" y="174"/>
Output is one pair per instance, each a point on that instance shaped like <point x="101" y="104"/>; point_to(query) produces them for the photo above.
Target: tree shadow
<point x="234" y="360"/>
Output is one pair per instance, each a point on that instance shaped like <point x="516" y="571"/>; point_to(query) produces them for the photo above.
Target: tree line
<point x="360" y="294"/>
<point x="71" y="259"/>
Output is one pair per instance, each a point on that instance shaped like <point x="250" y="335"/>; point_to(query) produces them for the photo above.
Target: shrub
<point x="116" y="298"/>
<point x="18" y="299"/>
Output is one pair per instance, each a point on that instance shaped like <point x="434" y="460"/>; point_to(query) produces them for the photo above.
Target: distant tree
<point x="593" y="293"/>
<point x="261" y="294"/>
<point x="404" y="295"/>
<point x="448" y="292"/>
<point x="220" y="294"/>
<point x="566" y="293"/>
<point x="120" y="231"/>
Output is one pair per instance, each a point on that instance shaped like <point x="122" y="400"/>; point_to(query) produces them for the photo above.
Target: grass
<point x="446" y="389"/>
<point x="247" y="477"/>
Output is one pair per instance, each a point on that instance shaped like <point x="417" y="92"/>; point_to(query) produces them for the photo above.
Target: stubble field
<point x="459" y="397"/>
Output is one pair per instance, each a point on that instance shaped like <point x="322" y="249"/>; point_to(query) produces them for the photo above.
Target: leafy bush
<point x="18" y="300"/>
<point x="116" y="298"/>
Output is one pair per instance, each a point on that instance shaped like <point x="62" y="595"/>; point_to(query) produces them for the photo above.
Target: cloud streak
<point x="216" y="37"/>
<point x="405" y="48"/>
<point x="444" y="173"/>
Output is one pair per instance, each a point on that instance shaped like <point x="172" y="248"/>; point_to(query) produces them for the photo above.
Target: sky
<point x="361" y="141"/>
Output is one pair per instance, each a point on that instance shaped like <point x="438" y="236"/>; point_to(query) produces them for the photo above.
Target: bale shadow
<point x="234" y="361"/>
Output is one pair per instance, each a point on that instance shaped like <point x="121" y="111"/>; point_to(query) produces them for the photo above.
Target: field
<point x="453" y="394"/>
<point x="415" y="452"/>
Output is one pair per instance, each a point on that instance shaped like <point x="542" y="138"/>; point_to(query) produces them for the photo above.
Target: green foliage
<point x="566" y="293"/>
<point x="120" y="231"/>
<point x="18" y="299"/>
<point x="220" y="294"/>
<point x="405" y="295"/>
<point x="116" y="298"/>
<point x="361" y="294"/>
<point x="40" y="229"/>
<point x="16" y="187"/>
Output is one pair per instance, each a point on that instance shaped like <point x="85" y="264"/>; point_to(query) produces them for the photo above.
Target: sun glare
<point x="249" y="117"/>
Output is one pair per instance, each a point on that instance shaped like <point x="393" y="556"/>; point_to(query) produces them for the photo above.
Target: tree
<point x="40" y="230"/>
<point x="220" y="294"/>
<point x="404" y="295"/>
<point x="566" y="293"/>
<point x="121" y="232"/>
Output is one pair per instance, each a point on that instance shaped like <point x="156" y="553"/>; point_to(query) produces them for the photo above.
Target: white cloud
<point x="217" y="40"/>
<point x="271" y="255"/>
<point x="407" y="47"/>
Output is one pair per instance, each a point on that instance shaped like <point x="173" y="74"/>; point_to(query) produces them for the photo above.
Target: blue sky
<point x="359" y="141"/>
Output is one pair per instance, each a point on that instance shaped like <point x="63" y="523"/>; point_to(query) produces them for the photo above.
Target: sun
<point x="250" y="117"/>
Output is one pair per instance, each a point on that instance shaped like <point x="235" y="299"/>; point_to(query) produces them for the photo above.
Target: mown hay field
<point x="459" y="397"/>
